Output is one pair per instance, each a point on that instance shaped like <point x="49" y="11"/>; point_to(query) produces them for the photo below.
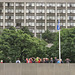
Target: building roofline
<point x="37" y="0"/>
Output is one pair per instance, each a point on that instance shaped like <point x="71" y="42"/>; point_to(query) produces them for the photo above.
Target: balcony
<point x="19" y="14"/>
<point x="50" y="27"/>
<point x="18" y="24"/>
<point x="1" y="7"/>
<point x="40" y="14"/>
<point x="62" y="27"/>
<point x="71" y="26"/>
<point x="19" y="20"/>
<point x="9" y="7"/>
<point x="30" y="7"/>
<point x="29" y="20"/>
<point x="40" y="27"/>
<point x="71" y="8"/>
<point x="1" y="26"/>
<point x="62" y="14"/>
<point x="71" y="21"/>
<point x="1" y="12"/>
<point x="30" y="27"/>
<point x="9" y="20"/>
<point x="1" y="4"/>
<point x="62" y="21"/>
<point x="19" y="7"/>
<point x="1" y="20"/>
<point x="50" y="7"/>
<point x="50" y="21"/>
<point x="40" y="7"/>
<point x="8" y="26"/>
<point x="9" y="14"/>
<point x="30" y="14"/>
<point x="50" y="14"/>
<point x="40" y="20"/>
<point x="71" y="14"/>
<point x="61" y="8"/>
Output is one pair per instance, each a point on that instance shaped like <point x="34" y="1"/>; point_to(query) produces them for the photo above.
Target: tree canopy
<point x="67" y="45"/>
<point x="17" y="44"/>
<point x="48" y="36"/>
<point x="26" y="30"/>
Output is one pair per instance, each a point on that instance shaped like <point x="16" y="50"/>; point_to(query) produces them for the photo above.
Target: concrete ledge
<point x="36" y="69"/>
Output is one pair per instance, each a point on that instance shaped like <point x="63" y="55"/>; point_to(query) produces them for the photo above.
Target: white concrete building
<point x="37" y="15"/>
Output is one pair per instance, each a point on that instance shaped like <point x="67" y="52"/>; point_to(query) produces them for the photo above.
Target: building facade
<point x="37" y="15"/>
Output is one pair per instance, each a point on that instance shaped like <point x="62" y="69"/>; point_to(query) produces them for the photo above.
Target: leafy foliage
<point x="67" y="45"/>
<point x="17" y="44"/>
<point x="26" y="30"/>
<point x="48" y="36"/>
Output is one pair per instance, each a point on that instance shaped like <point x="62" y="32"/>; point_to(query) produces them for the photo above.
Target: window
<point x="30" y="24"/>
<point x="1" y="24"/>
<point x="40" y="24"/>
<point x="50" y="11"/>
<point x="18" y="24"/>
<point x="30" y="11"/>
<point x="9" y="4"/>
<point x="40" y="17"/>
<point x="40" y="4"/>
<point x="50" y="24"/>
<point x="50" y="4"/>
<point x="1" y="17"/>
<point x="19" y="11"/>
<point x="9" y="11"/>
<point x="19" y="17"/>
<point x="40" y="11"/>
<point x="30" y="4"/>
<point x="29" y="17"/>
<point x="20" y="4"/>
<point x="9" y="17"/>
<point x="9" y="24"/>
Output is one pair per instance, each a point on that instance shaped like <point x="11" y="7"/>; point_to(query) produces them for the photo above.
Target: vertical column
<point x="45" y="16"/>
<point x="35" y="22"/>
<point x="56" y="17"/>
<point x="3" y="15"/>
<point x="66" y="15"/>
<point x="14" y="14"/>
<point x="24" y="13"/>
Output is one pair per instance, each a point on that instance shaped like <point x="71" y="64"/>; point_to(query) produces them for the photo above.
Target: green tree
<point x="17" y="44"/>
<point x="49" y="36"/>
<point x="67" y="45"/>
<point x="1" y="30"/>
<point x="26" y="30"/>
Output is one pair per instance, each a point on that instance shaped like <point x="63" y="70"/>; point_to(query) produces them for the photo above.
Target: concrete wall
<point x="37" y="69"/>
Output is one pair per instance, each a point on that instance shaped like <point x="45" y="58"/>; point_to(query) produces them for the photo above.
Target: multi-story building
<point x="37" y="15"/>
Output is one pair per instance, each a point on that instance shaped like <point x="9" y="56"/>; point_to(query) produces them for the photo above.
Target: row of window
<point x="38" y="11"/>
<point x="39" y="17"/>
<point x="39" y="4"/>
<point x="37" y="24"/>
